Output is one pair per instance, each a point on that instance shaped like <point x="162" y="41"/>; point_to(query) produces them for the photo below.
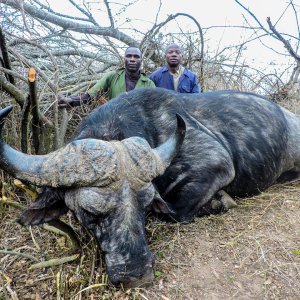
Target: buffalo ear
<point x="160" y="206"/>
<point x="49" y="205"/>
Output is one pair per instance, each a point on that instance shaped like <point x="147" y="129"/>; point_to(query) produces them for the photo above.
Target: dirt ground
<point x="250" y="252"/>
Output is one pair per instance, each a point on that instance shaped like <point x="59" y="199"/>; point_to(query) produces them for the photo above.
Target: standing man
<point x="173" y="76"/>
<point x="114" y="82"/>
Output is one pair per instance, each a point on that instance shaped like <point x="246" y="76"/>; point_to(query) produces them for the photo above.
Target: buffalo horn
<point x="168" y="150"/>
<point x="66" y="167"/>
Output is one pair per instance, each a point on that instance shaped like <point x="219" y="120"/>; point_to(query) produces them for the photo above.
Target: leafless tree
<point x="70" y="52"/>
<point x="290" y="43"/>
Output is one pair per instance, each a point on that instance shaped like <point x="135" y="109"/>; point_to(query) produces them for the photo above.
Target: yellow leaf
<point x="25" y="188"/>
<point x="37" y="297"/>
<point x="268" y="281"/>
<point x="8" y="279"/>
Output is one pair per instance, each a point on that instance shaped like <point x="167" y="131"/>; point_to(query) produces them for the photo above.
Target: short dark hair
<point x="173" y="45"/>
<point x="131" y="47"/>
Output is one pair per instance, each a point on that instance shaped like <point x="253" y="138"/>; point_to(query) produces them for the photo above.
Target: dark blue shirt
<point x="187" y="81"/>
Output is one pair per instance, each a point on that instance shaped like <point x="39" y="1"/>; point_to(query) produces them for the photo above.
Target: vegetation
<point x="45" y="52"/>
<point x="69" y="52"/>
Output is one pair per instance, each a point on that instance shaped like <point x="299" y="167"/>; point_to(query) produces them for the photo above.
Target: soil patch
<point x="250" y="252"/>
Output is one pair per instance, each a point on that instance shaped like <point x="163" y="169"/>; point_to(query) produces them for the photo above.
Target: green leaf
<point x="157" y="274"/>
<point x="296" y="251"/>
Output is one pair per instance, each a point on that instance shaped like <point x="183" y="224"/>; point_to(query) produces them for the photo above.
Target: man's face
<point x="173" y="56"/>
<point x="133" y="60"/>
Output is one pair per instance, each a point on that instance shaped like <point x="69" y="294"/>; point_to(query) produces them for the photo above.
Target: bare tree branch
<point x="69" y="25"/>
<point x="111" y="19"/>
<point x="63" y="15"/>
<point x="6" y="59"/>
<point x="77" y="52"/>
<point x="88" y="14"/>
<point x="14" y="74"/>
<point x="24" y="125"/>
<point x="21" y="2"/>
<point x="71" y="53"/>
<point x="155" y="29"/>
<point x="34" y="109"/>
<point x="31" y="64"/>
<point x="297" y="21"/>
<point x="254" y="17"/>
<point x="286" y="43"/>
<point x="12" y="90"/>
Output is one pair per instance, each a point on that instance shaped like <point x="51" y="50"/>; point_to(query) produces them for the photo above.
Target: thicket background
<point x="69" y="52"/>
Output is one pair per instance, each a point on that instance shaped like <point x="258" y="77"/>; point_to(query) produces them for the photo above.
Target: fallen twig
<point x="12" y="293"/>
<point x="9" y="252"/>
<point x="60" y="227"/>
<point x="54" y="262"/>
<point x="33" y="240"/>
<point x="97" y="285"/>
<point x="14" y="204"/>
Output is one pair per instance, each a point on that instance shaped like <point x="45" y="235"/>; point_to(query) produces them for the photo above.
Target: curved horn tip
<point x="168" y="150"/>
<point x="181" y="128"/>
<point x="5" y="111"/>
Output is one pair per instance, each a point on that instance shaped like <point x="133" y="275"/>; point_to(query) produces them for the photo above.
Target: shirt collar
<point x="179" y="71"/>
<point x="166" y="69"/>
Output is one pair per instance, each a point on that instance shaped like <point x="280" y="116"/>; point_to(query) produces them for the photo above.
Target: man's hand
<point x="73" y="100"/>
<point x="64" y="101"/>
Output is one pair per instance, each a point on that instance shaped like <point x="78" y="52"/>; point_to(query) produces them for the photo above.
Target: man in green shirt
<point x="114" y="82"/>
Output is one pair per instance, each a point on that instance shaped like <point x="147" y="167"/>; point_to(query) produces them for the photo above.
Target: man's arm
<point x="73" y="100"/>
<point x="196" y="88"/>
<point x="152" y="77"/>
<point x="101" y="85"/>
<point x="151" y="84"/>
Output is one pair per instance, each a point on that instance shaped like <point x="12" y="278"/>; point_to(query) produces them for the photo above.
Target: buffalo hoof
<point x="227" y="201"/>
<point x="131" y="281"/>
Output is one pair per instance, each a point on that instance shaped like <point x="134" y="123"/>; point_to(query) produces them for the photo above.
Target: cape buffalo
<point x="235" y="143"/>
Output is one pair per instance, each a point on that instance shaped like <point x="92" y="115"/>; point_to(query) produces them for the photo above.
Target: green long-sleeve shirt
<point x="114" y="83"/>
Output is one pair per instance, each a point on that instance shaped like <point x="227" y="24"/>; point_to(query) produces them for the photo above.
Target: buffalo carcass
<point x="235" y="143"/>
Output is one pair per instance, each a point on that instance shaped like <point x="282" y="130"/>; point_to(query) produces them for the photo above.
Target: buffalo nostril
<point x="130" y="279"/>
<point x="135" y="273"/>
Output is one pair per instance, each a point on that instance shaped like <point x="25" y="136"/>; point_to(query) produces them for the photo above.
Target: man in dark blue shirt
<point x="173" y="76"/>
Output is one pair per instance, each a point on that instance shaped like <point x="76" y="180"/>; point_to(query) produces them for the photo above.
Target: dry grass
<point x="251" y="252"/>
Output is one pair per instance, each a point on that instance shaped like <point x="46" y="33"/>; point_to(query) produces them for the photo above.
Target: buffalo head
<point x="108" y="185"/>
